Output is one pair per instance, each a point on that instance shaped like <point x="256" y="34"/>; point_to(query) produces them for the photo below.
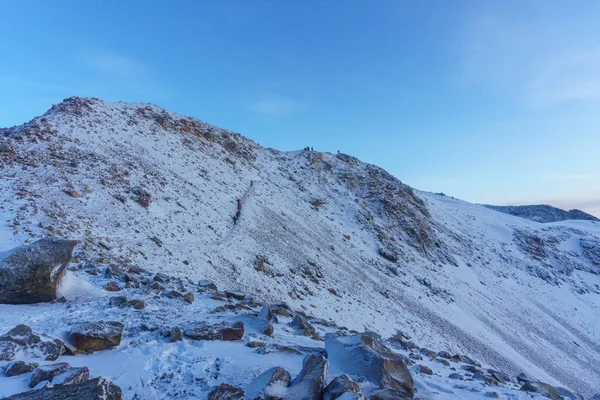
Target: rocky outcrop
<point x="97" y="336"/>
<point x="30" y="274"/>
<point x="222" y="331"/>
<point x="344" y="386"/>
<point x="22" y="340"/>
<point x="226" y="392"/>
<point x="94" y="389"/>
<point x="363" y="355"/>
<point x="308" y="385"/>
<point x="270" y="385"/>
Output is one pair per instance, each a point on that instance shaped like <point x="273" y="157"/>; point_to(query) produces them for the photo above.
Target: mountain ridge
<point x="543" y="213"/>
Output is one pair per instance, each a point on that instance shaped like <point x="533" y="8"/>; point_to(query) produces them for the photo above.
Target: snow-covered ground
<point x="516" y="295"/>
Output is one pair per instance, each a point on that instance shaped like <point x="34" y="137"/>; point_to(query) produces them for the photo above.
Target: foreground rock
<point x="30" y="274"/>
<point x="94" y="389"/>
<point x="46" y="373"/>
<point x="390" y="394"/>
<point x="308" y="385"/>
<point x="19" y="368"/>
<point x="542" y="388"/>
<point x="97" y="336"/>
<point x="363" y="355"/>
<point x="343" y="386"/>
<point x="22" y="340"/>
<point x="226" y="392"/>
<point x="270" y="385"/>
<point x="222" y="331"/>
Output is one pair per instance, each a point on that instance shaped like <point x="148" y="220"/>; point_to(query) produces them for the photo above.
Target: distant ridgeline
<point x="543" y="213"/>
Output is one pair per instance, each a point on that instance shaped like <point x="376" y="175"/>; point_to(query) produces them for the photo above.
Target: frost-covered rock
<point x="94" y="389"/>
<point x="46" y="373"/>
<point x="270" y="385"/>
<point x="302" y="326"/>
<point x="542" y="388"/>
<point x="390" y="394"/>
<point x="221" y="331"/>
<point x="340" y="386"/>
<point x="23" y="340"/>
<point x="97" y="335"/>
<point x="30" y="274"/>
<point x="226" y="392"/>
<point x="19" y="368"/>
<point x="71" y="376"/>
<point x="363" y="355"/>
<point x="308" y="385"/>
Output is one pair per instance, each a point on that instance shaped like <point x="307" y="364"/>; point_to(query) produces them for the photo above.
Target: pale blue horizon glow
<point x="491" y="102"/>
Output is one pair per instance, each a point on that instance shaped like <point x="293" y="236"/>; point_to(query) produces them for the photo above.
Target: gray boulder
<point x="308" y="385"/>
<point x="364" y="356"/>
<point x="270" y="385"/>
<point x="340" y="386"/>
<point x="94" y="389"/>
<point x="19" y="368"/>
<point x="22" y="339"/>
<point x="30" y="274"/>
<point x="97" y="336"/>
<point x="46" y="373"/>
<point x="222" y="331"/>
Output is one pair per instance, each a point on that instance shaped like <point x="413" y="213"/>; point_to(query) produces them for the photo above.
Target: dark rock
<point x="444" y="354"/>
<point x="222" y="331"/>
<point x="364" y="356"/>
<point x="427" y="352"/>
<point x="425" y="370"/>
<point x="176" y="334"/>
<point x="30" y="274"/>
<point x="493" y="395"/>
<point x="457" y="358"/>
<point x="415" y="356"/>
<point x="442" y="361"/>
<point x="522" y="378"/>
<point x="206" y="284"/>
<point x="308" y="385"/>
<point x="188" y="297"/>
<point x="172" y="294"/>
<point x="302" y="326"/>
<point x="226" y="392"/>
<point x="97" y="335"/>
<point x="269" y="385"/>
<point x="481" y="377"/>
<point x="112" y="271"/>
<point x="139" y="304"/>
<point x="71" y="376"/>
<point x="112" y="286"/>
<point x="390" y="394"/>
<point x="22" y="339"/>
<point x="233" y="294"/>
<point x="162" y="278"/>
<point x="157" y="286"/>
<point x="470" y="361"/>
<point x="94" y="389"/>
<point x="117" y="301"/>
<point x="149" y="327"/>
<point x="499" y="376"/>
<point x="282" y="310"/>
<point x="341" y="385"/>
<point x="46" y="373"/>
<point x="255" y="344"/>
<point x="455" y="375"/>
<point x="19" y="368"/>
<point x="542" y="388"/>
<point x="472" y="369"/>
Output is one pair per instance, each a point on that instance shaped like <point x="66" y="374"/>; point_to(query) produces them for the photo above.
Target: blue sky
<point x="489" y="101"/>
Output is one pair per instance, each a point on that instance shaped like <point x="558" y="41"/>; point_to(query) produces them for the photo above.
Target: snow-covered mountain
<point x="544" y="213"/>
<point x="326" y="233"/>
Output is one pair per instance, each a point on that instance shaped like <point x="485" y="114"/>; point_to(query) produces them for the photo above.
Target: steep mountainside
<point x="328" y="234"/>
<point x="544" y="213"/>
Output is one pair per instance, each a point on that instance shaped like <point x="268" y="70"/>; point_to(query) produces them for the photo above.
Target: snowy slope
<point x="515" y="294"/>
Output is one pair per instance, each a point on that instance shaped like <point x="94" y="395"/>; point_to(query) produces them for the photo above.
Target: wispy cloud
<point x="114" y="64"/>
<point x="276" y="106"/>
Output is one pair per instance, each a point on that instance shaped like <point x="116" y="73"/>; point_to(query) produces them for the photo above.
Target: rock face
<point x="94" y="389"/>
<point x="97" y="335"/>
<point x="226" y="392"/>
<point x="342" y="386"/>
<point x="363" y="355"/>
<point x="270" y="385"/>
<point x="308" y="385"/>
<point x="30" y="274"/>
<point x="22" y="339"/>
<point x="222" y="331"/>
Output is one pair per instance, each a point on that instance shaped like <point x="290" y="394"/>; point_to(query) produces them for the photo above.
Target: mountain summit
<point x="325" y="233"/>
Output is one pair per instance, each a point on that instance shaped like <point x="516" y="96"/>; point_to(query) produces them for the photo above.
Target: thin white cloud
<point x="114" y="64"/>
<point x="276" y="106"/>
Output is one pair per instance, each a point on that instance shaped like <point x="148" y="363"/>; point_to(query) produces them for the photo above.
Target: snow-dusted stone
<point x="340" y="386"/>
<point x="390" y="394"/>
<point x="264" y="319"/>
<point x="522" y="378"/>
<point x="117" y="301"/>
<point x="22" y="339"/>
<point x="176" y="335"/>
<point x="226" y="392"/>
<point x="302" y="326"/>
<point x="425" y="370"/>
<point x="270" y="385"/>
<point x="46" y="373"/>
<point x="30" y="274"/>
<point x="222" y="331"/>
<point x="206" y="284"/>
<point x="542" y="388"/>
<point x="71" y="376"/>
<point x="97" y="335"/>
<point x="94" y="389"/>
<point x="308" y="385"/>
<point x="282" y="310"/>
<point x="364" y="356"/>
<point x="19" y="368"/>
<point x="234" y="294"/>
